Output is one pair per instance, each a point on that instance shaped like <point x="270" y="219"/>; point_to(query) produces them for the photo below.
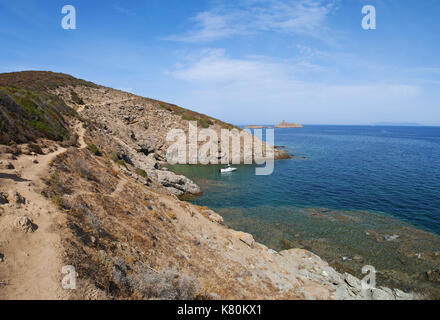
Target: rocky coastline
<point x="102" y="202"/>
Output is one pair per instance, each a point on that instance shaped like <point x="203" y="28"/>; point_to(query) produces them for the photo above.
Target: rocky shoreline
<point x="109" y="208"/>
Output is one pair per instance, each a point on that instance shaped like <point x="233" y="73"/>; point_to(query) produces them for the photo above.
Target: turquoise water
<point x="346" y="191"/>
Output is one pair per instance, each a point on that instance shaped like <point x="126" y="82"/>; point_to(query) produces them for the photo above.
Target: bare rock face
<point x="25" y="224"/>
<point x="212" y="216"/>
<point x="146" y="146"/>
<point x="176" y="184"/>
<point x="246" y="238"/>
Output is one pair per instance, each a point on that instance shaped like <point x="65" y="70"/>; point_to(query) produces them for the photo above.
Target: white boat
<point x="227" y="169"/>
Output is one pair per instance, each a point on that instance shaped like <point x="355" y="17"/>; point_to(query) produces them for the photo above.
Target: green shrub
<point x="82" y="168"/>
<point x="188" y="118"/>
<point x="205" y="123"/>
<point x="114" y="157"/>
<point x="58" y="201"/>
<point x="141" y="172"/>
<point x="95" y="149"/>
<point x="75" y="97"/>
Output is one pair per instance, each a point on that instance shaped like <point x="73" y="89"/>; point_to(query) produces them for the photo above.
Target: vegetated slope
<point x="29" y="109"/>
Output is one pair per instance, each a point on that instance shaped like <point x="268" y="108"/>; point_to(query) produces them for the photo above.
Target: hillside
<point x="88" y="189"/>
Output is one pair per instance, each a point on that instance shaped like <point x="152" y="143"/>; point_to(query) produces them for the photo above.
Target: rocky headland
<point x="286" y="125"/>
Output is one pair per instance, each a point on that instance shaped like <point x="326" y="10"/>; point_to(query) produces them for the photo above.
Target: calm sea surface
<point x="354" y="195"/>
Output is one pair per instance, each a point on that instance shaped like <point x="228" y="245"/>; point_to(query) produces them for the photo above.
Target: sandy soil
<point x="32" y="260"/>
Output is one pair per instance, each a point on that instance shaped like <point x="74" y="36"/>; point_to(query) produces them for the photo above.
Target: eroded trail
<point x="31" y="254"/>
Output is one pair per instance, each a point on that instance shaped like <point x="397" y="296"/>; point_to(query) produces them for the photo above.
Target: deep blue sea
<point x="394" y="170"/>
<point x="346" y="189"/>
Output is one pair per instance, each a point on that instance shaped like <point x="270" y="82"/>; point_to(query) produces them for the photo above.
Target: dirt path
<point x="32" y="261"/>
<point x="79" y="129"/>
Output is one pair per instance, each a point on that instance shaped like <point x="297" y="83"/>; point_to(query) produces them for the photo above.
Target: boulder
<point x="25" y="224"/>
<point x="353" y="283"/>
<point x="379" y="294"/>
<point x="433" y="275"/>
<point x="176" y="184"/>
<point x="246" y="238"/>
<point x="400" y="295"/>
<point x="146" y="146"/>
<point x="212" y="216"/>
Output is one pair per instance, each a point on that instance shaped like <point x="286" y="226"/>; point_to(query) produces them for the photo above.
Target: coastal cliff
<point x="83" y="184"/>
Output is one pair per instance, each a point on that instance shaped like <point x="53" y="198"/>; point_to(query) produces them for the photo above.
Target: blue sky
<point x="250" y="61"/>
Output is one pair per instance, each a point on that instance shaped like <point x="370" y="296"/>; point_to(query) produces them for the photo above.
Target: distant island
<point x="256" y="127"/>
<point x="284" y="124"/>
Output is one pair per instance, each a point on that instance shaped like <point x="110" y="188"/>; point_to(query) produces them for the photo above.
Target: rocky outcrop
<point x="310" y="267"/>
<point x="25" y="224"/>
<point x="175" y="184"/>
<point x="285" y="124"/>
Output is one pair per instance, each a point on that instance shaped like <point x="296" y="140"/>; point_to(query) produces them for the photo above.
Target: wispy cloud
<point x="213" y="65"/>
<point x="303" y="17"/>
<point x="257" y="84"/>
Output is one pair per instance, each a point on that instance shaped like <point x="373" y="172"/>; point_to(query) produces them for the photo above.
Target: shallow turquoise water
<point x="346" y="191"/>
<point x="393" y="170"/>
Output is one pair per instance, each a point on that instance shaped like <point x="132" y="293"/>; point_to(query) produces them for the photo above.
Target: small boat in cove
<point x="227" y="169"/>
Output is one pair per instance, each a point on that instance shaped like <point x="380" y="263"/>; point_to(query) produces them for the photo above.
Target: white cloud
<point x="258" y="89"/>
<point x="212" y="65"/>
<point x="305" y="17"/>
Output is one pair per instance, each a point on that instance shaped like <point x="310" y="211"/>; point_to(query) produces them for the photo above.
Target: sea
<point x="354" y="195"/>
